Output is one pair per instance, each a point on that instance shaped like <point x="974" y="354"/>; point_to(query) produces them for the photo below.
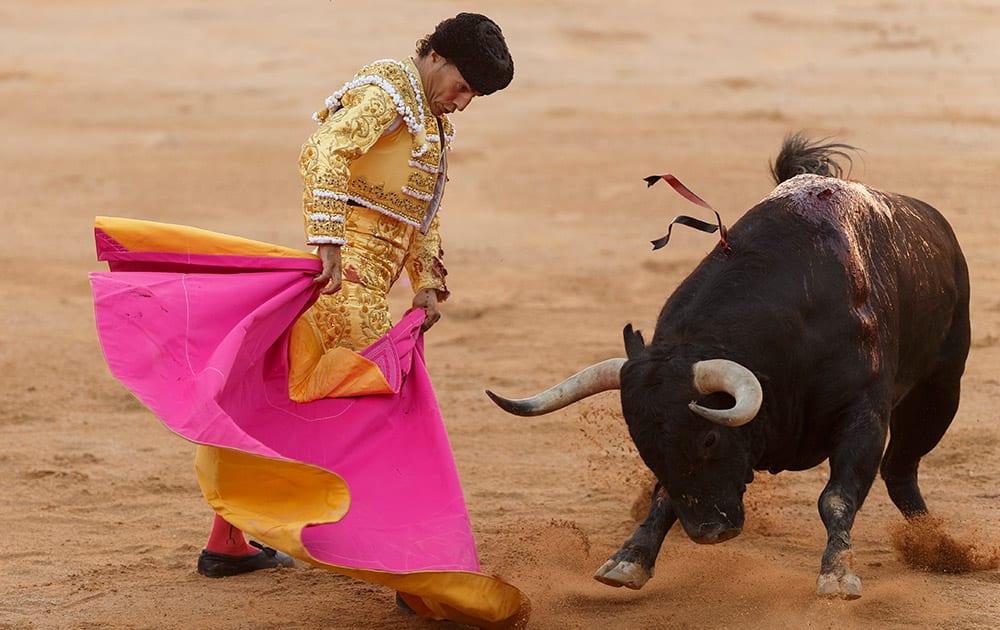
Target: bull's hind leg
<point x="918" y="423"/>
<point x="632" y="565"/>
<point x="854" y="463"/>
<point x="922" y="417"/>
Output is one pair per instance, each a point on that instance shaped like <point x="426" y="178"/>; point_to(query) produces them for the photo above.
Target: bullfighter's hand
<point x="331" y="276"/>
<point x="427" y="299"/>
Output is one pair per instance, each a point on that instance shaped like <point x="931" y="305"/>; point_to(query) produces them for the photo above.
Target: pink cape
<point x="202" y="340"/>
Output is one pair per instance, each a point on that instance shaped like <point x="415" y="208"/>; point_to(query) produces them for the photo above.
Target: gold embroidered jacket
<point x="373" y="176"/>
<point x="378" y="146"/>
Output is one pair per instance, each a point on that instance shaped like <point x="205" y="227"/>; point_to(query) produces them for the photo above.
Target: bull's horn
<point x="722" y="375"/>
<point x="597" y="378"/>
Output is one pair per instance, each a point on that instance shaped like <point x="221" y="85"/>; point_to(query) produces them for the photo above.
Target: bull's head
<point x="683" y="416"/>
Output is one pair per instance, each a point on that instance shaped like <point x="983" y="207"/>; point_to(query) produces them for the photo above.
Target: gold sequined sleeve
<point x="425" y="262"/>
<point x="325" y="161"/>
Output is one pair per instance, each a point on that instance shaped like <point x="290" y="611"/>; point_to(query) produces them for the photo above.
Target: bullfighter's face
<point x="704" y="467"/>
<point x="446" y="89"/>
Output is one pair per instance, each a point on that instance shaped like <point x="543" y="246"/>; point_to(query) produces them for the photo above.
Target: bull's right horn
<point x="597" y="378"/>
<point x="722" y="375"/>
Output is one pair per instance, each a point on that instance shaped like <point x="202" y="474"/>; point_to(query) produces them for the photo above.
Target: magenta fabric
<point x="202" y="341"/>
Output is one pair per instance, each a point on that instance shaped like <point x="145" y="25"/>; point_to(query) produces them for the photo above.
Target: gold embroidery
<point x="326" y="228"/>
<point x="425" y="264"/>
<point x="422" y="182"/>
<point x="379" y="94"/>
<point x="402" y="205"/>
<point x="324" y="161"/>
<point x="431" y="158"/>
<point x="379" y="246"/>
<point x="379" y="249"/>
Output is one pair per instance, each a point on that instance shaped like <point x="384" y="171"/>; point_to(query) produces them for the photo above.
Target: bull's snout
<point x="712" y="533"/>
<point x="708" y="522"/>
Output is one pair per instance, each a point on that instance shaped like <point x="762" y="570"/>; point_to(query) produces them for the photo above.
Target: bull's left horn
<point x="597" y="378"/>
<point x="723" y="375"/>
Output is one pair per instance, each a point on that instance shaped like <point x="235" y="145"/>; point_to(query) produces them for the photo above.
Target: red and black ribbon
<point x="697" y="224"/>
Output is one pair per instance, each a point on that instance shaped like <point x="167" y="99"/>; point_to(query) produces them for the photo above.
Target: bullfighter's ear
<point x="634" y="343"/>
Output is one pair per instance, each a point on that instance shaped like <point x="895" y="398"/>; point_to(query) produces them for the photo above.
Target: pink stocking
<point x="228" y="540"/>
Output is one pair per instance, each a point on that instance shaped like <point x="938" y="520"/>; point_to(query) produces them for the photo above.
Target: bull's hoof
<point x="619" y="573"/>
<point x="847" y="586"/>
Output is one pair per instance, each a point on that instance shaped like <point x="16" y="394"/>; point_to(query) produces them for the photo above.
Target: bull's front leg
<point x="853" y="466"/>
<point x="632" y="565"/>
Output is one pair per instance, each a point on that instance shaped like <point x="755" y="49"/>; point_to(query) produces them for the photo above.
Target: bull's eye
<point x="711" y="441"/>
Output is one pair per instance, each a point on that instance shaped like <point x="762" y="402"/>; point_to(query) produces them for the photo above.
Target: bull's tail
<point x="800" y="155"/>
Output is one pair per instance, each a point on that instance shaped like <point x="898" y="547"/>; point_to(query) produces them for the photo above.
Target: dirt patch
<point x="923" y="543"/>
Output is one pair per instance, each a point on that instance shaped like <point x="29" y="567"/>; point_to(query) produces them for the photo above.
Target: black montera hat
<point x="475" y="44"/>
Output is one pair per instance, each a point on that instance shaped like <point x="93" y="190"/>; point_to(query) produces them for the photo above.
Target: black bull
<point x="837" y="317"/>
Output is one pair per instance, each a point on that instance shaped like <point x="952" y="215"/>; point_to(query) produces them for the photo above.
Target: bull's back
<point x="933" y="294"/>
<point x="907" y="278"/>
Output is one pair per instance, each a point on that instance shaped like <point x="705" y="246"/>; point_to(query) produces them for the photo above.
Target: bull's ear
<point x="634" y="343"/>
